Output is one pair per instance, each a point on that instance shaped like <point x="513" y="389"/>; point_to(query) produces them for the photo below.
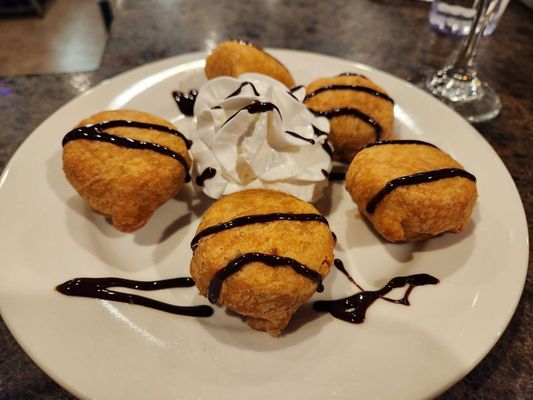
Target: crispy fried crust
<point x="236" y="58"/>
<point x="126" y="185"/>
<point x="411" y="212"/>
<point x="266" y="296"/>
<point x="349" y="134"/>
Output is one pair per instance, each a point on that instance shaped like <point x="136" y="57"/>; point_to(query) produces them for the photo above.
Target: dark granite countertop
<point x="391" y="35"/>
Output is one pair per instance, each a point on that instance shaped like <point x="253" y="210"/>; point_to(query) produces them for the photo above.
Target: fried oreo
<point x="411" y="190"/>
<point x="126" y="164"/>
<point x="262" y="254"/>
<point x="235" y="58"/>
<point x="360" y="112"/>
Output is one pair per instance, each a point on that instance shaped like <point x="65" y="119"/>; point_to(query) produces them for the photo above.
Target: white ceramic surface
<point x="104" y="350"/>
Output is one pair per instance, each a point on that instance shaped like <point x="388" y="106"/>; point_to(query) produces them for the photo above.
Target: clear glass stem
<point x="466" y="57"/>
<point x="457" y="83"/>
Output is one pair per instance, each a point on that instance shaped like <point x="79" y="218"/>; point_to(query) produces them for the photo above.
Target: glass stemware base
<point x="462" y="90"/>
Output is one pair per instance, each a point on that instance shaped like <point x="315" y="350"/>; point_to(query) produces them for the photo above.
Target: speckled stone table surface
<point x="391" y="35"/>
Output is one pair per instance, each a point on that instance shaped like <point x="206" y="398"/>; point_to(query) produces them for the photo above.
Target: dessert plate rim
<point x="21" y="283"/>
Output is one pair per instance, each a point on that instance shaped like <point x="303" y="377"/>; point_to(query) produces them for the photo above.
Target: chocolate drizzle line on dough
<point x="352" y="112"/>
<point x="256" y="107"/>
<point x="354" y="88"/>
<point x="415" y="179"/>
<point x="239" y="89"/>
<point x="98" y="288"/>
<point x="206" y="174"/>
<point x="94" y="132"/>
<point x="215" y="286"/>
<point x="122" y="123"/>
<point x="407" y="141"/>
<point x="294" y="134"/>
<point x="185" y="101"/>
<point x="353" y="308"/>
<point x="255" y="219"/>
<point x="352" y="74"/>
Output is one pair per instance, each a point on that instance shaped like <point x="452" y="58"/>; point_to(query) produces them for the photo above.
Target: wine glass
<point x="457" y="83"/>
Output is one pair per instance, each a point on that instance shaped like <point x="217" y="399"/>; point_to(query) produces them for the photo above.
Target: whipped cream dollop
<point x="253" y="132"/>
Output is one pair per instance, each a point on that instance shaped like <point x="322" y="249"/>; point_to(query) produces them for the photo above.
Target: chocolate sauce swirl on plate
<point x="415" y="179"/>
<point x="238" y="263"/>
<point x="98" y="288"/>
<point x="353" y="308"/>
<point x="185" y="101"/>
<point x="340" y="266"/>
<point x="206" y="174"/>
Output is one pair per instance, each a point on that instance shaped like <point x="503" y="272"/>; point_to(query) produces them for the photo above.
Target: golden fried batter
<point x="267" y="296"/>
<point x="126" y="185"/>
<point x="350" y="133"/>
<point x="411" y="212"/>
<point x="238" y="57"/>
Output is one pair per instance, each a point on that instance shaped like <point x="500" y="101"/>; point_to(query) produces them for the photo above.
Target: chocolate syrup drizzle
<point x="294" y="89"/>
<point x="399" y="141"/>
<point x="255" y="219"/>
<point x="340" y="266"/>
<point x="206" y="174"/>
<point x="98" y="288"/>
<point x="95" y="132"/>
<point x="239" y="89"/>
<point x="352" y="112"/>
<point x="185" y="101"/>
<point x="318" y="132"/>
<point x="337" y="176"/>
<point x="415" y="179"/>
<point x="352" y="74"/>
<point x="296" y="135"/>
<point x="238" y="263"/>
<point x="327" y="148"/>
<point x="256" y="107"/>
<point x="353" y="308"/>
<point x="122" y="123"/>
<point x="354" y="88"/>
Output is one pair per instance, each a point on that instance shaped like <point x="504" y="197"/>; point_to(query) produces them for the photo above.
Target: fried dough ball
<point x="412" y="211"/>
<point x="349" y="133"/>
<point x="127" y="185"/>
<point x="238" y="57"/>
<point x="266" y="296"/>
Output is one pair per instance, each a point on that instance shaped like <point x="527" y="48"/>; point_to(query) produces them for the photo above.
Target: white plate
<point x="104" y="350"/>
